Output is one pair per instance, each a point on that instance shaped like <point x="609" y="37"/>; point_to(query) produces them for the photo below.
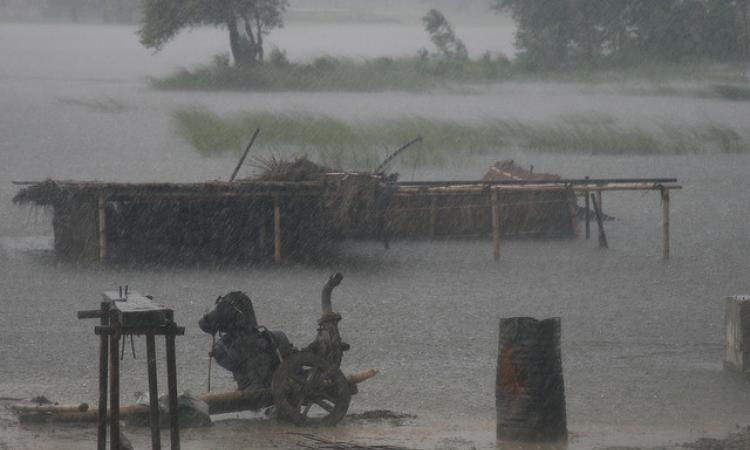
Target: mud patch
<point x="735" y="441"/>
<point x="455" y="443"/>
<point x="382" y="415"/>
<point x="311" y="441"/>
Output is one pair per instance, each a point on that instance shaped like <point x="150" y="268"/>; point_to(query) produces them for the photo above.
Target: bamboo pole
<point x="218" y="403"/>
<point x="600" y="223"/>
<point x="665" y="224"/>
<point x="587" y="213"/>
<point x="276" y="229"/>
<point x="102" y="207"/>
<point x="495" y="226"/>
<point x="433" y="217"/>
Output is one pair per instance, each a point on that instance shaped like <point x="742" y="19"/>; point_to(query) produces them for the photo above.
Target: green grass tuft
<point x="362" y="145"/>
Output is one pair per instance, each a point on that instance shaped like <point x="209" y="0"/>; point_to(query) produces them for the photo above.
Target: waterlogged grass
<point x="418" y="73"/>
<point x="362" y="145"/>
<point x="347" y="74"/>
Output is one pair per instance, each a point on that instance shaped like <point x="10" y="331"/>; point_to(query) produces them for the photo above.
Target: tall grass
<point x="362" y="144"/>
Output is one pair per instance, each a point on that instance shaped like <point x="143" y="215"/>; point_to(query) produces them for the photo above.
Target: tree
<point x="247" y="22"/>
<point x="555" y="34"/>
<point x="442" y="35"/>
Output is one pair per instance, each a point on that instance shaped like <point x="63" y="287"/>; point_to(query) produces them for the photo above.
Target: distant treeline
<point x="559" y="34"/>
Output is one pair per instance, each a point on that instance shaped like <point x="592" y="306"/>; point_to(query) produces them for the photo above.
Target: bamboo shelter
<point x="434" y="212"/>
<point x="297" y="209"/>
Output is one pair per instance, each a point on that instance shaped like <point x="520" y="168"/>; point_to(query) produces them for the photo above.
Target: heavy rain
<point x="131" y="92"/>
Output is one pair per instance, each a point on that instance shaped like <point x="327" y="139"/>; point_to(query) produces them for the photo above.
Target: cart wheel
<point x="308" y="390"/>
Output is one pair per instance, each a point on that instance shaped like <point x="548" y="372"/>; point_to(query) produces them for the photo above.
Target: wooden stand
<point x="122" y="314"/>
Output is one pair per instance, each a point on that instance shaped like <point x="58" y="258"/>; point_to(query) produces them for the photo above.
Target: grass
<point x="340" y="74"/>
<point x="361" y="145"/>
<point x="428" y="71"/>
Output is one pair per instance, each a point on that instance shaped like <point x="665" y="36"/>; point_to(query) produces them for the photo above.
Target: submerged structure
<point x="298" y="209"/>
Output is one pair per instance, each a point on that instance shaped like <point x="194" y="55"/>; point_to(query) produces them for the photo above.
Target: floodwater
<point x="642" y="339"/>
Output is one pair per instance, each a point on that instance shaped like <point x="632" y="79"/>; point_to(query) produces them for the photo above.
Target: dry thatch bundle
<point x="509" y="170"/>
<point x="298" y="169"/>
<point x="355" y="203"/>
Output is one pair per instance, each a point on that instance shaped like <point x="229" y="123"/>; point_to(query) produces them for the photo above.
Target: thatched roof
<point x="50" y="192"/>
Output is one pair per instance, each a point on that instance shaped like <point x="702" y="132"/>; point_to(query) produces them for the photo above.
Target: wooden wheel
<point x="308" y="390"/>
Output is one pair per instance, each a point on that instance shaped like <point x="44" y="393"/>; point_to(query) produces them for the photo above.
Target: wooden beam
<point x="495" y="209"/>
<point x="665" y="224"/>
<point x="102" y="207"/>
<point x="276" y="229"/>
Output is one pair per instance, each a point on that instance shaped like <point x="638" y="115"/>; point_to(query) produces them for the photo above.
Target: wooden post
<point x="737" y="334"/>
<point x="530" y="392"/>
<point x="101" y="434"/>
<point x="153" y="393"/>
<point x="276" y="229"/>
<point x="587" y="213"/>
<point x="665" y="223"/>
<point x="599" y="201"/>
<point x="114" y="380"/>
<point x="433" y="216"/>
<point x="600" y="223"/>
<point x="174" y="426"/>
<point x="495" y="209"/>
<point x="102" y="207"/>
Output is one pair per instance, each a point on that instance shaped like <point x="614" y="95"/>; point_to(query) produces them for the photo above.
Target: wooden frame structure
<point x="493" y="189"/>
<point x="241" y="218"/>
<point x="123" y="313"/>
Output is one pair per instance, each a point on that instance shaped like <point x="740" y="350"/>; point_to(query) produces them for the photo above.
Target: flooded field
<point x="642" y="340"/>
